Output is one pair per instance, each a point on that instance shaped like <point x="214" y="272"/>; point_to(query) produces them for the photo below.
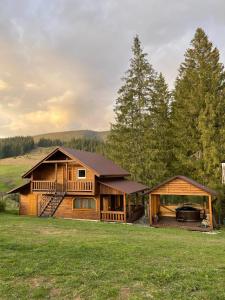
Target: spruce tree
<point x="198" y="112"/>
<point x="125" y="142"/>
<point x="158" y="144"/>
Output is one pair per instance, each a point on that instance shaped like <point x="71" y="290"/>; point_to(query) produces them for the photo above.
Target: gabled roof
<point x="19" y="188"/>
<point x="98" y="163"/>
<point x="189" y="180"/>
<point x="125" y="186"/>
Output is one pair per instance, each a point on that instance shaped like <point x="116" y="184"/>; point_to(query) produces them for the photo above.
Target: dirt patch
<point x="36" y="282"/>
<point x="55" y="231"/>
<point x="124" y="293"/>
<point x="55" y="292"/>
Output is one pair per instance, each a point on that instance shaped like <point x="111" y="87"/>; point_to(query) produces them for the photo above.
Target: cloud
<point x="3" y="85"/>
<point x="61" y="61"/>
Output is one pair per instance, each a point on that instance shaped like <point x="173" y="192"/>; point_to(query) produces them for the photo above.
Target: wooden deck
<point x="171" y="222"/>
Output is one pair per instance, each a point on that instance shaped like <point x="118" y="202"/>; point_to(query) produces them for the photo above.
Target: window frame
<point x="83" y="198"/>
<point x="81" y="169"/>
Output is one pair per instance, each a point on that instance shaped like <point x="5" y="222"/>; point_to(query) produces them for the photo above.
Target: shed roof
<point x="125" y="186"/>
<point x="98" y="163"/>
<point x="189" y="180"/>
<point x="19" y="188"/>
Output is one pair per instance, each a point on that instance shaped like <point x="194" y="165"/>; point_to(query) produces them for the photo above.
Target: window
<point x="81" y="173"/>
<point x="84" y="203"/>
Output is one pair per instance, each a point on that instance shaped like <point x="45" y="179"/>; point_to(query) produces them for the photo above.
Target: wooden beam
<point x="124" y="208"/>
<point x="129" y="207"/>
<point x="58" y="161"/>
<point x="150" y="209"/>
<point x="210" y="211"/>
<point x="56" y="170"/>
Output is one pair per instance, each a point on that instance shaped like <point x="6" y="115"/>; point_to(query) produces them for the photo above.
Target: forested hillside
<point x="15" y="146"/>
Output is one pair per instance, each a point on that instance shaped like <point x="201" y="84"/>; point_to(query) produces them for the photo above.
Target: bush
<point x="2" y="205"/>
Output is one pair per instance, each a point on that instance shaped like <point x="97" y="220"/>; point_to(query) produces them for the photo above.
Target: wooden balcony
<point x="70" y="186"/>
<point x="43" y="185"/>
<point x="113" y="216"/>
<point x="79" y="186"/>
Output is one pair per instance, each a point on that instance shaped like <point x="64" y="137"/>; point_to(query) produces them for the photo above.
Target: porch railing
<point x="117" y="216"/>
<point x="70" y="186"/>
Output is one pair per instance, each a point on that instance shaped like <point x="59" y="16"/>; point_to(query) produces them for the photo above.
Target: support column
<point x="129" y="208"/>
<point x="150" y="209"/>
<point x="210" y="211"/>
<point x="66" y="177"/>
<point x="125" y="208"/>
<point x="56" y="170"/>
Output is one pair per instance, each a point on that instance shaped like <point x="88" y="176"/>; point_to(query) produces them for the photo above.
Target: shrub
<point x="2" y="205"/>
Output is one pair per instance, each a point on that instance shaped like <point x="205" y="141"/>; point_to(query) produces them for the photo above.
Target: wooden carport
<point x="179" y="185"/>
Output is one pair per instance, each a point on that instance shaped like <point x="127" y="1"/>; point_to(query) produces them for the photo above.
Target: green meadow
<point x="67" y="259"/>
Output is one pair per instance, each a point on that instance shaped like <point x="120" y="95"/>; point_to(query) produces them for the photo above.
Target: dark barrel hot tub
<point x="187" y="214"/>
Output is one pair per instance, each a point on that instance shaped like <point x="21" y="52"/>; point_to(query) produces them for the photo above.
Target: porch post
<point x="56" y="170"/>
<point x="66" y="176"/>
<point x="129" y="208"/>
<point x="124" y="208"/>
<point x="210" y="211"/>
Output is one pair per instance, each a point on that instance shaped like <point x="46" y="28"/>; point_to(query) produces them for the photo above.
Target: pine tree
<point x="125" y="142"/>
<point x="198" y="112"/>
<point x="158" y="142"/>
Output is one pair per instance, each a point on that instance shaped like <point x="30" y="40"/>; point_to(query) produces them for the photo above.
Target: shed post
<point x="210" y="211"/>
<point x="124" y="207"/>
<point x="150" y="209"/>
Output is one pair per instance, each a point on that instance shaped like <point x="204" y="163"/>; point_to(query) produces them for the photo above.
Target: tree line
<point x="160" y="133"/>
<point x="15" y="146"/>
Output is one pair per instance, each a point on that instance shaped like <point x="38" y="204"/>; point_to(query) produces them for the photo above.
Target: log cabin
<point x="69" y="183"/>
<point x="181" y="202"/>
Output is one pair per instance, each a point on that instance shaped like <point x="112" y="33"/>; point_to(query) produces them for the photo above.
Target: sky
<point x="61" y="61"/>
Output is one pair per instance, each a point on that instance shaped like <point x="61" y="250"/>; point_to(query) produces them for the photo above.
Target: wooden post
<point x="210" y="211"/>
<point x="124" y="208"/>
<point x="150" y="209"/>
<point x="66" y="176"/>
<point x="56" y="170"/>
<point x="129" y="208"/>
<point x="32" y="178"/>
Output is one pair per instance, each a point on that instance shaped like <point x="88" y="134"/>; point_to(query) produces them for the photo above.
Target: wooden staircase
<point x="50" y="203"/>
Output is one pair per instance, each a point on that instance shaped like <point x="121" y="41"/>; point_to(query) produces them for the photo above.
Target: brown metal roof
<point x="19" y="188"/>
<point x="125" y="186"/>
<point x="189" y="180"/>
<point x="97" y="162"/>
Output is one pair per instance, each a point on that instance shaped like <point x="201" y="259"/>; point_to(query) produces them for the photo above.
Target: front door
<point x="61" y="178"/>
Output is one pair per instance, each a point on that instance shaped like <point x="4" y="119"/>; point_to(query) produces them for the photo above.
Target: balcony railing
<point x="113" y="216"/>
<point x="43" y="185"/>
<point x="70" y="186"/>
<point x="80" y="186"/>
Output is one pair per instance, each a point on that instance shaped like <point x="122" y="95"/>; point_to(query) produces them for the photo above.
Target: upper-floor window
<point x="81" y="173"/>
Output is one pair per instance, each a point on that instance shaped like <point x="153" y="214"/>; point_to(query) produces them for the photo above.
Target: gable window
<point x="81" y="173"/>
<point x="84" y="203"/>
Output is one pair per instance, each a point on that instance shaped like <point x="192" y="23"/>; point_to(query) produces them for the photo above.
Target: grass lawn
<point x="68" y="259"/>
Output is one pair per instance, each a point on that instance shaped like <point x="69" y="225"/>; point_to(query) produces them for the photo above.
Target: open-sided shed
<point x="179" y="186"/>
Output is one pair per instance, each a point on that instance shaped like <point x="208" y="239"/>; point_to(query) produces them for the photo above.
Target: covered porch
<point x="181" y="202"/>
<point x="121" y="200"/>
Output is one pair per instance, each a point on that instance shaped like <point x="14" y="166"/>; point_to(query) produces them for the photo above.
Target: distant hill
<point x="68" y="135"/>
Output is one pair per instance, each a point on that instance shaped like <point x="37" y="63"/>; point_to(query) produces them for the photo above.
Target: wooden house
<point x="81" y="185"/>
<point x="163" y="213"/>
